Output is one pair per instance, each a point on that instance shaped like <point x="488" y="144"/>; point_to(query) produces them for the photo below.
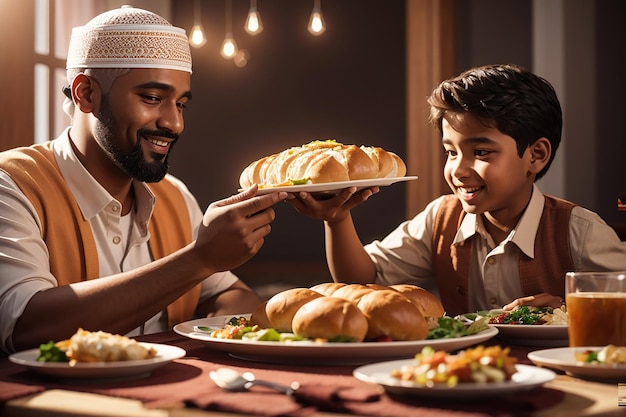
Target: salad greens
<point x="452" y="327"/>
<point x="50" y="352"/>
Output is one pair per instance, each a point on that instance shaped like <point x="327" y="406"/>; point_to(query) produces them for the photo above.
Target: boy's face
<point x="484" y="169"/>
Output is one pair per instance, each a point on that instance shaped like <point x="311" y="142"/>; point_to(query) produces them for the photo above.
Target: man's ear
<point x="86" y="93"/>
<point x="540" y="152"/>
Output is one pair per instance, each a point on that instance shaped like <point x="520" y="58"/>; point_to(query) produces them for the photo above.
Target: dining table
<point x="182" y="387"/>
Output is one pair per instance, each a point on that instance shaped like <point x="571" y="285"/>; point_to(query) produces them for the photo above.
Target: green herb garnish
<point x="49" y="352"/>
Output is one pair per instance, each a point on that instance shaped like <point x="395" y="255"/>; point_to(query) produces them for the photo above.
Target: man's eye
<point x="481" y="152"/>
<point x="449" y="153"/>
<point x="148" y="97"/>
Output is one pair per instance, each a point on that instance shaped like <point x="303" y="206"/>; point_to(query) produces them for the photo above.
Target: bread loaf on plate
<point x="321" y="162"/>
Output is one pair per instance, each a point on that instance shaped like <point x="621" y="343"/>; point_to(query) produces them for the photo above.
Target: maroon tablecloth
<point x="186" y="382"/>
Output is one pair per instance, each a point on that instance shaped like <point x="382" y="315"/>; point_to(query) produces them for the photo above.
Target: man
<point x="93" y="231"/>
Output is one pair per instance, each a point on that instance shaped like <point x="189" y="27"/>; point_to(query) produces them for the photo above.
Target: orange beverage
<point x="596" y="319"/>
<point x="596" y="308"/>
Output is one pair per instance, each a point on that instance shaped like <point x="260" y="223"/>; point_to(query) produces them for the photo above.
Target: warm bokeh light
<point x="254" y="25"/>
<point x="229" y="47"/>
<point x="197" y="37"/>
<point x="316" y="23"/>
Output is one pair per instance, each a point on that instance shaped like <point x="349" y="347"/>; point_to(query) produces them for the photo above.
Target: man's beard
<point x="132" y="163"/>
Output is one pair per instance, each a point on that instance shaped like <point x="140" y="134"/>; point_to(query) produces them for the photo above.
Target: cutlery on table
<point x="231" y="380"/>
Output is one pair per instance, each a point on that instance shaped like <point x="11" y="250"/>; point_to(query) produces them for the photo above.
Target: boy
<point x="496" y="241"/>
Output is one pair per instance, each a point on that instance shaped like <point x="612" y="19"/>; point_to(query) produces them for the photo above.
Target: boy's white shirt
<point x="405" y="255"/>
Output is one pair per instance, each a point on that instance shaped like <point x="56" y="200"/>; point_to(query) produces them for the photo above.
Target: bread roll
<point x="353" y="292"/>
<point x="330" y="318"/>
<point x="327" y="288"/>
<point x="320" y="162"/>
<point x="259" y="317"/>
<point x="281" y="307"/>
<point x="431" y="306"/>
<point x="392" y="315"/>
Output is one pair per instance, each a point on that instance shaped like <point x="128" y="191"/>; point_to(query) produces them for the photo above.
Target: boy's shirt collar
<point x="523" y="235"/>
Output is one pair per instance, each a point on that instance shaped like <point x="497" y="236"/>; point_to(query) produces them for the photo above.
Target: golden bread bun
<point x="378" y="287"/>
<point x="353" y="292"/>
<point x="327" y="288"/>
<point x="281" y="307"/>
<point x="330" y="318"/>
<point x="322" y="161"/>
<point x="392" y="315"/>
<point x="259" y="317"/>
<point x="431" y="306"/>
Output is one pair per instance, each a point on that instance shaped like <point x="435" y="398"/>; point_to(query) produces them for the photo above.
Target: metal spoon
<point x="231" y="380"/>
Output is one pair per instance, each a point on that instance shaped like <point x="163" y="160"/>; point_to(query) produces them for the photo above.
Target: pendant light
<point x="229" y="46"/>
<point x="316" y="22"/>
<point x="253" y="25"/>
<point x="197" y="37"/>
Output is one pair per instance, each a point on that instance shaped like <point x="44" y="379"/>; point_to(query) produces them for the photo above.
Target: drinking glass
<point x="596" y="308"/>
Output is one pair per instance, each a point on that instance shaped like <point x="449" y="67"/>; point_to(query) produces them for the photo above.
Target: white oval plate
<point x="564" y="359"/>
<point x="332" y="188"/>
<point x="525" y="378"/>
<point x="533" y="334"/>
<point x="330" y="353"/>
<point x="165" y="354"/>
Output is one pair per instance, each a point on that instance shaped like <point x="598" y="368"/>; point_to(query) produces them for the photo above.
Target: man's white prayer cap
<point x="129" y="38"/>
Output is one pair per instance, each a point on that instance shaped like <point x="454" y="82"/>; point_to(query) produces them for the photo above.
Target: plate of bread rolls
<point x="333" y="323"/>
<point x="324" y="167"/>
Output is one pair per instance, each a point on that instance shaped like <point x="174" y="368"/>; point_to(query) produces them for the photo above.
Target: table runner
<point x="186" y="382"/>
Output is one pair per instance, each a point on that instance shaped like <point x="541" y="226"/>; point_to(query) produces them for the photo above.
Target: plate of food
<point x="332" y="188"/>
<point x="474" y="373"/>
<point x="594" y="362"/>
<point x="295" y="351"/>
<point x="324" y="167"/>
<point x="117" y="357"/>
<point x="528" y="326"/>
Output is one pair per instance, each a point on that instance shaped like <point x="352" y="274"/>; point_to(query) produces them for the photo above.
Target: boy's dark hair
<point x="510" y="98"/>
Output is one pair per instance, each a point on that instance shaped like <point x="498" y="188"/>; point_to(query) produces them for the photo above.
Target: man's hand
<point x="233" y="229"/>
<point x="540" y="300"/>
<point x="332" y="210"/>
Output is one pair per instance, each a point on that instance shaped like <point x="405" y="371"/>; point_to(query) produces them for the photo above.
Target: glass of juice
<point x="596" y="308"/>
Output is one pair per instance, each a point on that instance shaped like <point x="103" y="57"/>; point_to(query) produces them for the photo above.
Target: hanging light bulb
<point x="229" y="46"/>
<point x="254" y="25"/>
<point x="197" y="37"/>
<point x="316" y="23"/>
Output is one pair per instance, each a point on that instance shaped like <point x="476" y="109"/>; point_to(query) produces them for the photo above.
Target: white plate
<point x="96" y="370"/>
<point x="331" y="188"/>
<point x="533" y="334"/>
<point x="525" y="378"/>
<point x="564" y="359"/>
<point x="329" y="353"/>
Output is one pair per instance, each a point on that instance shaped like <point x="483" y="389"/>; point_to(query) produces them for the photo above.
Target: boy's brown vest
<point x="68" y="236"/>
<point x="544" y="273"/>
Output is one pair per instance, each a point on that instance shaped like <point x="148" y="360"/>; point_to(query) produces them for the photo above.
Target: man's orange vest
<point x="545" y="273"/>
<point x="68" y="236"/>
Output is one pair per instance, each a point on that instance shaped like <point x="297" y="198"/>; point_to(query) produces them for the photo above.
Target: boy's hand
<point x="332" y="210"/>
<point x="540" y="300"/>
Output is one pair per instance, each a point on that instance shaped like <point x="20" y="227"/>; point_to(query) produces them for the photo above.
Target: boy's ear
<point x="540" y="152"/>
<point x="86" y="93"/>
